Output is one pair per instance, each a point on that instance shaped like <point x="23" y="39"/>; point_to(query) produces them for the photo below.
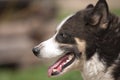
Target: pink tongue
<point x="58" y="65"/>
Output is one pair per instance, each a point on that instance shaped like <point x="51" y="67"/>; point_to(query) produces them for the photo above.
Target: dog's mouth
<point x="61" y="64"/>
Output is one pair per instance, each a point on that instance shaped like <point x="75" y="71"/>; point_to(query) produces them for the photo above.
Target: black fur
<point x="116" y="71"/>
<point x="98" y="27"/>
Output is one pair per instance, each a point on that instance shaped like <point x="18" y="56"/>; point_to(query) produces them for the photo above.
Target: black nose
<point x="36" y="51"/>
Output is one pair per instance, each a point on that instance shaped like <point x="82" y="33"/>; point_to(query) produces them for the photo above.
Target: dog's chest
<point x="95" y="70"/>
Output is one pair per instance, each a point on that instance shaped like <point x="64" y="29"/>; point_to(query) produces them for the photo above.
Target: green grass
<point x="36" y="73"/>
<point x="116" y="11"/>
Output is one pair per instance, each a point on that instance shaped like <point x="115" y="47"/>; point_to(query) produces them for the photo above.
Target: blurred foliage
<point x="116" y="11"/>
<point x="62" y="15"/>
<point x="36" y="73"/>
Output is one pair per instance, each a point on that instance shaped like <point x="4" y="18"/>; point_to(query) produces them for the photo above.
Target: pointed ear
<point x="90" y="6"/>
<point x="100" y="14"/>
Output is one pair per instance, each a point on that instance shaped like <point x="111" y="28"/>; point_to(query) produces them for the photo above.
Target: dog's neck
<point x="94" y="69"/>
<point x="108" y="44"/>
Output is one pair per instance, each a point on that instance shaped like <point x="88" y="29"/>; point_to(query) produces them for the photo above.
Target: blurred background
<point x="24" y="24"/>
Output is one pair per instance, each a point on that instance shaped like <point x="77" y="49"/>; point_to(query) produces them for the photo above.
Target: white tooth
<point x="60" y="65"/>
<point x="70" y="57"/>
<point x="64" y="63"/>
<point x="67" y="60"/>
<point x="54" y="70"/>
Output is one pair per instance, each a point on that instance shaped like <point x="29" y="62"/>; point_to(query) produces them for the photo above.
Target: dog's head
<point x="75" y="38"/>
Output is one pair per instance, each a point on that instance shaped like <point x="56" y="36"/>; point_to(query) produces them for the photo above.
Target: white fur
<point x="61" y="24"/>
<point x="94" y="69"/>
<point x="118" y="59"/>
<point x="50" y="48"/>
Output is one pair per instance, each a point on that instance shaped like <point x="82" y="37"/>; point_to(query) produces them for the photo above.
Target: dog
<point x="88" y="40"/>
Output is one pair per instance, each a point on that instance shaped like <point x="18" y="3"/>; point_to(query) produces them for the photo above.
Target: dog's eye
<point x="64" y="38"/>
<point x="63" y="35"/>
